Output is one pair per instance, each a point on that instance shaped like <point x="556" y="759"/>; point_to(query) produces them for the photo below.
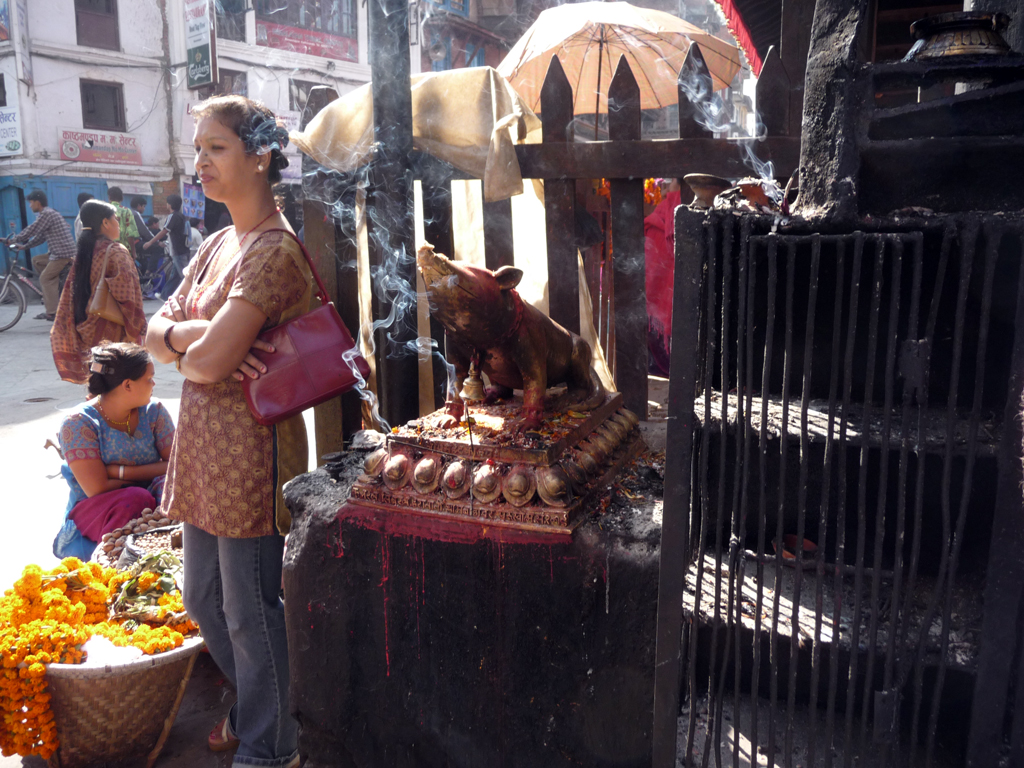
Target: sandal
<point x="221" y="739"/>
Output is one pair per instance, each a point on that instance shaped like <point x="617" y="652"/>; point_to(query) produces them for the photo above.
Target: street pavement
<point x="33" y="402"/>
<point x="33" y="496"/>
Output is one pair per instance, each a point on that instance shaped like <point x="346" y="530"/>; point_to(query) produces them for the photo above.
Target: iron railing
<point x="850" y="400"/>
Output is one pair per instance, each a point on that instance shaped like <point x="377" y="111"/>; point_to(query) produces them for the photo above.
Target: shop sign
<point x="10" y="132"/>
<point x="22" y="58"/>
<point x="200" y="43"/>
<point x="293" y="173"/>
<point x="131" y="187"/>
<point x="306" y="41"/>
<point x="193" y="201"/>
<point x="87" y="146"/>
<point x="5" y="21"/>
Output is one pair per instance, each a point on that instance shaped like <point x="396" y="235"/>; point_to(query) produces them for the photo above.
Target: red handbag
<point x="314" y="360"/>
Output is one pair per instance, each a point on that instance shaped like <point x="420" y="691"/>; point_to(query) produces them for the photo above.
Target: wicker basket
<point x="104" y="714"/>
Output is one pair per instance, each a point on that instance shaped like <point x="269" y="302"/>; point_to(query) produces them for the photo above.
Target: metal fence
<point x="852" y="398"/>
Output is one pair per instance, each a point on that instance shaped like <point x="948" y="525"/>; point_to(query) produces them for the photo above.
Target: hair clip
<point x="85" y="227"/>
<point x="265" y="135"/>
<point x="106" y="370"/>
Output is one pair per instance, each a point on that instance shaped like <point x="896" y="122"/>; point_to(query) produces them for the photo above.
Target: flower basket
<point x="105" y="714"/>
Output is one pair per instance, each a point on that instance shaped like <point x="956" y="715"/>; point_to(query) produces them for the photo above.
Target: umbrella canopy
<point x="589" y="38"/>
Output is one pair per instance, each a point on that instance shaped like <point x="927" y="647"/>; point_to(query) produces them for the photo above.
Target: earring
<point x="259" y="167"/>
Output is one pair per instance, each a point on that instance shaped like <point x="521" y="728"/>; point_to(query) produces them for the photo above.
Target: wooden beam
<point x="319" y="236"/>
<point x="437" y="230"/>
<point x="498" y="245"/>
<point x="670" y="158"/>
<point x="794" y="47"/>
<point x="392" y="246"/>
<point x="773" y="96"/>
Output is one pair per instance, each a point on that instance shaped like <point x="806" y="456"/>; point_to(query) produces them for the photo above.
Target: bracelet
<point x="167" y="340"/>
<point x="120" y="471"/>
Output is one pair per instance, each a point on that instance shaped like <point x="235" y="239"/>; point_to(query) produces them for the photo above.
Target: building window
<point x="3" y="90"/>
<point x="230" y="82"/>
<point x="298" y="94"/>
<point x="96" y="24"/>
<point x="333" y="17"/>
<point x="102" y="106"/>
<point x="231" y="20"/>
<point x="458" y="7"/>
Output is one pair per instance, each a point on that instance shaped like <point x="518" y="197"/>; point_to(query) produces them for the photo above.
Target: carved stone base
<point x="543" y="481"/>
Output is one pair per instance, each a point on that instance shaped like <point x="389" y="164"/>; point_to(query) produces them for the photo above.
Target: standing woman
<point x="226" y="471"/>
<point x="75" y="332"/>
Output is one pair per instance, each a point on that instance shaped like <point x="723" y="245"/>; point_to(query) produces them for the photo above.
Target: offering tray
<point x="487" y="472"/>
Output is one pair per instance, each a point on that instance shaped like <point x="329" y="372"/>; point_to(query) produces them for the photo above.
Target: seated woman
<point x="115" y="449"/>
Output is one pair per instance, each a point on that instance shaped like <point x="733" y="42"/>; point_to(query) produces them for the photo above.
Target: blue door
<point x="12" y="211"/>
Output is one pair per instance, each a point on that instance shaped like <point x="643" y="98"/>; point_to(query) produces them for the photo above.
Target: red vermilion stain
<point x="385" y="569"/>
<point x="412" y="523"/>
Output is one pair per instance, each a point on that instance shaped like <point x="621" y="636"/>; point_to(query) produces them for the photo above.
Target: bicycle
<point x="26" y="277"/>
<point x="12" y="299"/>
<point x="152" y="281"/>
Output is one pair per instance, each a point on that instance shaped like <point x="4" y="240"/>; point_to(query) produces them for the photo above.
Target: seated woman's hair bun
<point x="115" y="362"/>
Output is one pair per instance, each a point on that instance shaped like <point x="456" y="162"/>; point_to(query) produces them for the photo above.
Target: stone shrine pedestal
<point x="419" y="641"/>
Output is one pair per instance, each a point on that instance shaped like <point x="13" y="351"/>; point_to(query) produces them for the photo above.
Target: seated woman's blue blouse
<point x="85" y="434"/>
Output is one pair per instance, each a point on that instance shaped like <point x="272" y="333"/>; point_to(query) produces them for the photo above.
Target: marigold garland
<point x="45" y="618"/>
<point x="652" y="191"/>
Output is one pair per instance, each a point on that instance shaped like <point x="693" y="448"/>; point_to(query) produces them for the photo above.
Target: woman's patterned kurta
<point x="71" y="343"/>
<point x="226" y="471"/>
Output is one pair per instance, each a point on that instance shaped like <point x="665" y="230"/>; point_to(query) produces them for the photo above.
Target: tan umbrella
<point x="589" y="38"/>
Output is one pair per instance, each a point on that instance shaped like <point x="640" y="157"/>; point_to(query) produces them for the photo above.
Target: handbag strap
<point x="322" y="291"/>
<point x="106" y="257"/>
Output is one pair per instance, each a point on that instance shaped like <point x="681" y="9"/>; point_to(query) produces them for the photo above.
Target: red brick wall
<point x="161" y="189"/>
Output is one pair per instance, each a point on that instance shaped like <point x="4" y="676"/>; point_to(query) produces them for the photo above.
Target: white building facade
<point x="94" y="92"/>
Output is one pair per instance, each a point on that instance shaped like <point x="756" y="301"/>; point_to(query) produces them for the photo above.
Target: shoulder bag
<point x="103" y="304"/>
<point x="315" y="359"/>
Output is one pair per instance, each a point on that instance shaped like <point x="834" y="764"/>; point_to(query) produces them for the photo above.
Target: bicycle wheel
<point x="12" y="304"/>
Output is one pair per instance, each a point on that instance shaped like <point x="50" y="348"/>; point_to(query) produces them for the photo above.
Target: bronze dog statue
<point x="517" y="346"/>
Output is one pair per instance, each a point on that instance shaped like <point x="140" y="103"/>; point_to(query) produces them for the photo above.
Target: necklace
<point x="200" y="289"/>
<point x="123" y="424"/>
<point x="276" y="210"/>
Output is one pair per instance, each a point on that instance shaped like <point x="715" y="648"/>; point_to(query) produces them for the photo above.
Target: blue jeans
<point x="232" y="590"/>
<point x="174" y="277"/>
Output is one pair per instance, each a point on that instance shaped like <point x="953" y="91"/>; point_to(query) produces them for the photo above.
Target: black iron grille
<point x="851" y="399"/>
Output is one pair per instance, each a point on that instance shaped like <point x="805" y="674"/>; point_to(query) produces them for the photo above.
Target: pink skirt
<point x="104" y="512"/>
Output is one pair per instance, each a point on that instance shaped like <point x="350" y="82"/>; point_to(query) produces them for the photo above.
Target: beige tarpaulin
<point x="471" y="118"/>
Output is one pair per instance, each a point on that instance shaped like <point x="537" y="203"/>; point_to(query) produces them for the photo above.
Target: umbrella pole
<point x="597" y="94"/>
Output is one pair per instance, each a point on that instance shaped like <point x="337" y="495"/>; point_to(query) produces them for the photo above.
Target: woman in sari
<point x="115" y="448"/>
<point x="75" y="331"/>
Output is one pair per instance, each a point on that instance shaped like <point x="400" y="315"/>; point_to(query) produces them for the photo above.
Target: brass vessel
<point x="967" y="33"/>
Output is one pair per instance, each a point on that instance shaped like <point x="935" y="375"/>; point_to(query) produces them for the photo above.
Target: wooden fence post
<point x="628" y="248"/>
<point x="319" y="236"/>
<point x="773" y="95"/>
<point x="560" y="204"/>
<point x="694" y="86"/>
<point x="498" y="244"/>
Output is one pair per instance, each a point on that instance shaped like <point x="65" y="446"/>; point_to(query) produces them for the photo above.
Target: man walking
<point x="51" y="228"/>
<point x="129" y="232"/>
<point x="179" y="230"/>
<point x="83" y="198"/>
